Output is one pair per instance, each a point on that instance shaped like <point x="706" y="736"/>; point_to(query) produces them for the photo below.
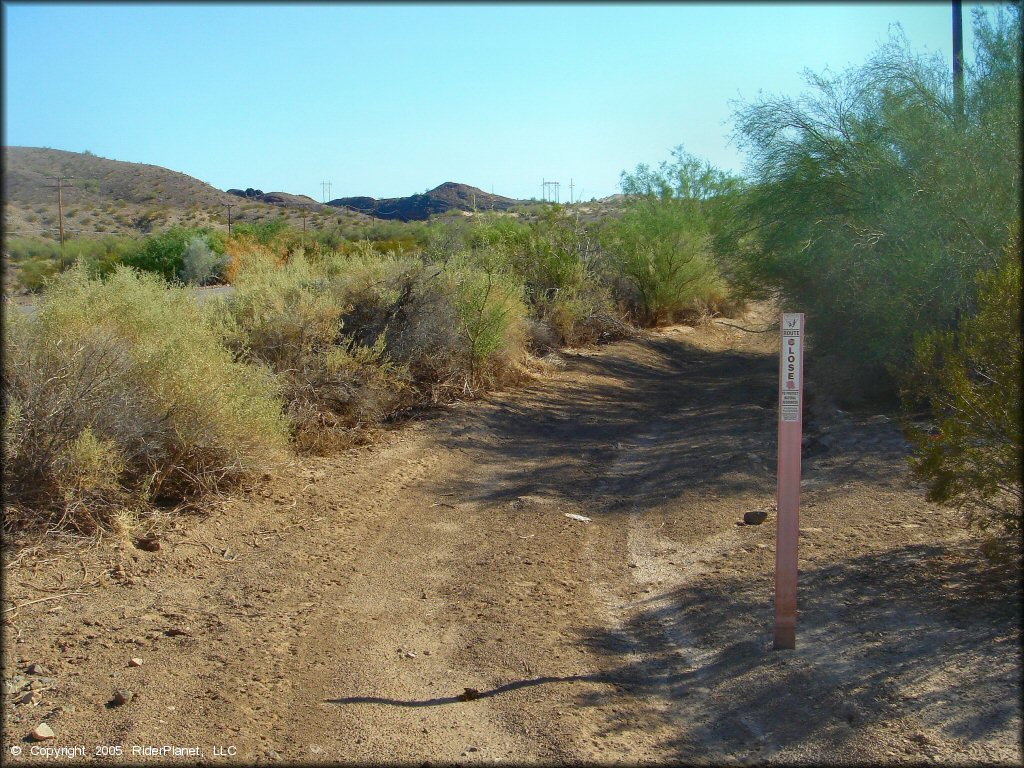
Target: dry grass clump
<point x="120" y="393"/>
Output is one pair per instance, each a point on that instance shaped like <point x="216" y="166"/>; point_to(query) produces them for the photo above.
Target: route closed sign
<point x="792" y="364"/>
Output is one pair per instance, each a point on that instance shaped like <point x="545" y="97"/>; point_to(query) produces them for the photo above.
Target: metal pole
<point x="787" y="528"/>
<point x="958" y="59"/>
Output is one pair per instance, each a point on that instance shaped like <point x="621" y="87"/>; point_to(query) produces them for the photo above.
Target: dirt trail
<point x="340" y="613"/>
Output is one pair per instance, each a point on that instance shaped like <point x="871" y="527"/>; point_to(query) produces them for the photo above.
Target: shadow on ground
<point x="696" y="402"/>
<point x="708" y="417"/>
<point x="917" y="628"/>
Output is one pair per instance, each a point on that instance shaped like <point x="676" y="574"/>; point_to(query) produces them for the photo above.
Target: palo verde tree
<point x="662" y="242"/>
<point x="873" y="204"/>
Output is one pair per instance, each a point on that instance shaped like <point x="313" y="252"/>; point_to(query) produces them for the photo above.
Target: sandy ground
<point x="340" y="612"/>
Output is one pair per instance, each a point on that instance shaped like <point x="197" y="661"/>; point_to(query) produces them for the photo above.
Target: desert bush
<point x="658" y="258"/>
<point x="241" y="249"/>
<point x="357" y="339"/>
<point x="200" y="264"/>
<point x="874" y="203"/>
<point x="661" y="247"/>
<point x="35" y="272"/>
<point x="554" y="259"/>
<point x="264" y="232"/>
<point x="40" y="259"/>
<point x="971" y="379"/>
<point x="491" y="311"/>
<point x="164" y="253"/>
<point x="30" y="248"/>
<point x="124" y="389"/>
<point x="287" y="317"/>
<point x="415" y="309"/>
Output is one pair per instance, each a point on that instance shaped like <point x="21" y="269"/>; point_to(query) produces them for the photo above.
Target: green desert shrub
<point x="406" y="305"/>
<point x="36" y="271"/>
<point x="873" y="203"/>
<point x="661" y="247"/>
<point x="554" y="259"/>
<point x="101" y="256"/>
<point x="122" y="391"/>
<point x="263" y="232"/>
<point x="31" y="248"/>
<point x="40" y="259"/>
<point x="452" y="326"/>
<point x="658" y="256"/>
<point x="491" y="312"/>
<point x="164" y="253"/>
<point x="971" y="379"/>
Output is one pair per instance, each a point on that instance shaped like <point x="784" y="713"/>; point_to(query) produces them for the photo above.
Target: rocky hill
<point x="107" y="197"/>
<point x="115" y="197"/>
<point x="441" y="199"/>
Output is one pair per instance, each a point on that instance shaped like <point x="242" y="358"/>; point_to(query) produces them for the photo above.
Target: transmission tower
<point x="325" y="187"/>
<point x="549" y="191"/>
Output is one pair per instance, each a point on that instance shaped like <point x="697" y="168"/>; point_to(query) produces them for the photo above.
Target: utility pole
<point x="60" y="212"/>
<point x="550" y="191"/>
<point x="325" y="188"/>
<point x="229" y="206"/>
<point x="958" y="59"/>
<point x="570" y="190"/>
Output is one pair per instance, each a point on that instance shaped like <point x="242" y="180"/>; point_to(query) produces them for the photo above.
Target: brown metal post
<point x="791" y="386"/>
<point x="958" y="59"/>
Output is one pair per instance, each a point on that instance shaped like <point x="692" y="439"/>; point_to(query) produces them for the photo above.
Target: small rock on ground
<point x="755" y="517"/>
<point x="41" y="732"/>
<point x="122" y="696"/>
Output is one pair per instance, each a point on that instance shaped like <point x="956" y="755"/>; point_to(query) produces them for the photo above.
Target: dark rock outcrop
<point x="420" y="207"/>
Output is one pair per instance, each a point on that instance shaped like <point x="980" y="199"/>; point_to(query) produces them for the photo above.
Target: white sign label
<point x="792" y="374"/>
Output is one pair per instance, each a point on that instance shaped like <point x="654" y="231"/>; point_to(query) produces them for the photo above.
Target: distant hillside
<point x="441" y="199"/>
<point x="115" y="197"/>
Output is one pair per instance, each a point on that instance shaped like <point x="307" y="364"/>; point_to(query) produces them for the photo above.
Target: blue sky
<point x="391" y="100"/>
